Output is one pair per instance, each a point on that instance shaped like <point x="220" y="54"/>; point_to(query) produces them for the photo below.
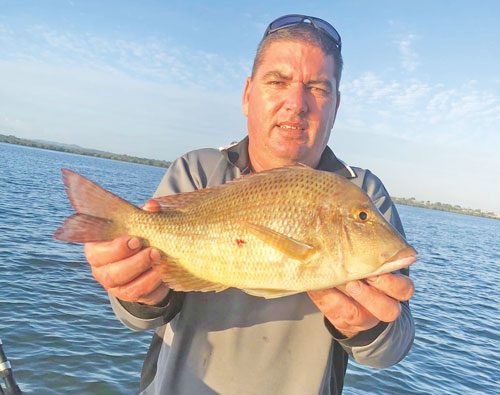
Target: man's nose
<point x="296" y="100"/>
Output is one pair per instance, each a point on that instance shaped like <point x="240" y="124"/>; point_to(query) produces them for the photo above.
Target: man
<point x="233" y="343"/>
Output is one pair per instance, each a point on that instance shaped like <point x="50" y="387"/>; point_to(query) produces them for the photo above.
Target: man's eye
<point x="319" y="90"/>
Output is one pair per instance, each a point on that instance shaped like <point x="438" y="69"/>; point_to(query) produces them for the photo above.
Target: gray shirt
<point x="234" y="343"/>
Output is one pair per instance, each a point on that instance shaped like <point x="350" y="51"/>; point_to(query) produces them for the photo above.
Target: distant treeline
<point x="82" y="151"/>
<point x="444" y="207"/>
<point x="162" y="163"/>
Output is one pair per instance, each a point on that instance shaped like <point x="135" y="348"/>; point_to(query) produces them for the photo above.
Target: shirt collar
<point x="237" y="154"/>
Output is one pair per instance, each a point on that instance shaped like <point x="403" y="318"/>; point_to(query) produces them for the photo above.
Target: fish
<point x="270" y="234"/>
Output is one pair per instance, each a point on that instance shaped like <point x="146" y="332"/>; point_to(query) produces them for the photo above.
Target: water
<point x="456" y="310"/>
<point x="62" y="337"/>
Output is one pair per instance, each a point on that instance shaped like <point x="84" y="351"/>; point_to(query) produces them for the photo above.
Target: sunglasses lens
<point x="289" y="20"/>
<point x="285" y="21"/>
<point x="328" y="28"/>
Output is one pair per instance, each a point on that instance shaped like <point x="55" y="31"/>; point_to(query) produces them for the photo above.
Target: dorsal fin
<point x="182" y="200"/>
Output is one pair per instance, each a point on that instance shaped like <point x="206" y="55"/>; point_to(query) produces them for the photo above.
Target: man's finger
<point x="122" y="272"/>
<point x="397" y="286"/>
<point x="331" y="302"/>
<point x="156" y="296"/>
<point x="346" y="314"/>
<point x="375" y="301"/>
<point x="105" y="252"/>
<point x="138" y="288"/>
<point x="152" y="206"/>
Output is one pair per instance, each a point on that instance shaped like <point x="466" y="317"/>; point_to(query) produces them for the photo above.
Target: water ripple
<point x="62" y="337"/>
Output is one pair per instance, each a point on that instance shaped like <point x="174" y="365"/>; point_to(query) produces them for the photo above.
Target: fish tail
<point x="99" y="214"/>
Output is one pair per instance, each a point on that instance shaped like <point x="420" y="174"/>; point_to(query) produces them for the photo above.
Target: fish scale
<point x="270" y="234"/>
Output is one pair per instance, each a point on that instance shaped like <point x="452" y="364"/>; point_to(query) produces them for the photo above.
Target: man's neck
<point x="261" y="164"/>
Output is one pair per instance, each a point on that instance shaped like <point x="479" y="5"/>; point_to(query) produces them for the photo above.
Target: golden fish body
<point x="278" y="232"/>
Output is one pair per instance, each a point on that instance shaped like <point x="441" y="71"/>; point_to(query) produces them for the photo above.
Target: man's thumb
<point x="152" y="206"/>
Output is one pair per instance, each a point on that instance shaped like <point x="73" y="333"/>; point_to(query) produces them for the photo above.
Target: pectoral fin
<point x="179" y="279"/>
<point x="293" y="248"/>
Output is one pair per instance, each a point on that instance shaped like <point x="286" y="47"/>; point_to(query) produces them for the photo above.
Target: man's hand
<point x="124" y="268"/>
<point x="362" y="304"/>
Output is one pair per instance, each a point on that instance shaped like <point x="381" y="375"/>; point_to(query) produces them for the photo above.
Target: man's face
<point x="291" y="103"/>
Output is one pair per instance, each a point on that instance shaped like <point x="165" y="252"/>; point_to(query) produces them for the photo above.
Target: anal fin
<point x="269" y="293"/>
<point x="179" y="279"/>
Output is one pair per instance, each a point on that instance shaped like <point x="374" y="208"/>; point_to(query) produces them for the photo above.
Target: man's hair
<point x="305" y="33"/>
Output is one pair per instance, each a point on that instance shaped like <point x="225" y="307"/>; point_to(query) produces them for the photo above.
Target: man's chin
<point x="286" y="154"/>
<point x="287" y="158"/>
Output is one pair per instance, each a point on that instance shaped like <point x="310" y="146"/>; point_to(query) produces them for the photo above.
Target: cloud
<point x="140" y="96"/>
<point x="409" y="58"/>
<point x="3" y="30"/>
<point x="151" y="58"/>
<point x="419" y="111"/>
<point x="371" y="88"/>
<point x="113" y="111"/>
<point x="86" y="85"/>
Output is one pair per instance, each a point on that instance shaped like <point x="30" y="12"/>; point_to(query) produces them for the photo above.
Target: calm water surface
<point x="62" y="337"/>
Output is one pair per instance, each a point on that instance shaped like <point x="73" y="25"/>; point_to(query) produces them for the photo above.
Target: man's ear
<point x="246" y="96"/>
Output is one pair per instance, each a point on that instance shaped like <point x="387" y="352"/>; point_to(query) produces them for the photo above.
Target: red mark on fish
<point x="240" y="242"/>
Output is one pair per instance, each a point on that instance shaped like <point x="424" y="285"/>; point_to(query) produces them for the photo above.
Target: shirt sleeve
<point x="387" y="343"/>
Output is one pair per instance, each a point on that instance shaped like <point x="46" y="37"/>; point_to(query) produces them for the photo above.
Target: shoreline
<point x="456" y="209"/>
<point x="9" y="139"/>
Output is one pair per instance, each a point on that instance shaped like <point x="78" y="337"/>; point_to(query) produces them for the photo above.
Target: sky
<point x="420" y="97"/>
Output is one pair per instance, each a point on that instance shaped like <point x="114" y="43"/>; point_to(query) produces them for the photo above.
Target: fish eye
<point x="362" y="215"/>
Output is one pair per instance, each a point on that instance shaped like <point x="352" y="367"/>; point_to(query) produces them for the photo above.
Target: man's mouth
<point x="292" y="125"/>
<point x="292" y="129"/>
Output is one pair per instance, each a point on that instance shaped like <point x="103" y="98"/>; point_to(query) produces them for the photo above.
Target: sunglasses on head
<point x="296" y="19"/>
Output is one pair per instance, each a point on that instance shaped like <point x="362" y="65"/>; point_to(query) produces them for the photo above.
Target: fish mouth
<point x="403" y="258"/>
